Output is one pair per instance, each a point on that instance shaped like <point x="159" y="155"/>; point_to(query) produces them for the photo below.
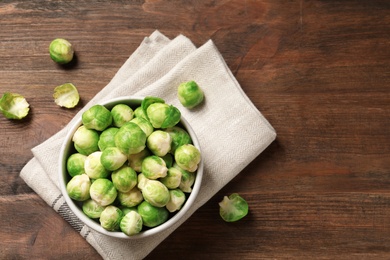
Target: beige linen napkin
<point x="230" y="129"/>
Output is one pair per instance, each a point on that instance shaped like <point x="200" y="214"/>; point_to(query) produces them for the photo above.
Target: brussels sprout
<point x="121" y="114"/>
<point x="66" y="95"/>
<point x="141" y="181"/>
<point x="97" y="117"/>
<point x="159" y="143"/>
<point x="168" y="158"/>
<point x="110" y="218"/>
<point x="78" y="187"/>
<point x="152" y="216"/>
<point x="187" y="179"/>
<point x="162" y="115"/>
<point x="131" y="198"/>
<point x="124" y="179"/>
<point x="144" y="124"/>
<point x="156" y="193"/>
<point x="112" y="158"/>
<point x="154" y="167"/>
<point x="107" y="139"/>
<point x="189" y="94"/>
<point x="92" y="209"/>
<point x="93" y="166"/>
<point x="130" y="139"/>
<point x="179" y="137"/>
<point x="103" y="192"/>
<point x="147" y="101"/>
<point x="14" y="106"/>
<point x="173" y="178"/>
<point x="187" y="157"/>
<point x="61" y="51"/>
<point x="131" y="223"/>
<point x="135" y="160"/>
<point x="176" y="201"/>
<point x="140" y="113"/>
<point x="233" y="208"/>
<point x="85" y="140"/>
<point x="75" y="164"/>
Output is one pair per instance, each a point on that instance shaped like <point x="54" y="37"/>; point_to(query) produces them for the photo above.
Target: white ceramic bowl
<point x="67" y="148"/>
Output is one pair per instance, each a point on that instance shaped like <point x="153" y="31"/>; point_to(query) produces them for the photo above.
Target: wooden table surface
<point x="319" y="71"/>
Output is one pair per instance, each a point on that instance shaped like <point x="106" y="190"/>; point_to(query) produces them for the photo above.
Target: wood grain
<point x="319" y="71"/>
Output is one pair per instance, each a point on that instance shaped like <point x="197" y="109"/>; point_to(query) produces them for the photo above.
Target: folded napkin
<point x="230" y="129"/>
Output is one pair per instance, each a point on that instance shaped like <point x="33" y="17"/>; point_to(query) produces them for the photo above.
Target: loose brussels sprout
<point x="103" y="192"/>
<point x="140" y="113"/>
<point x="159" y="143"/>
<point x="135" y="160"/>
<point x="97" y="117"/>
<point x="179" y="137"/>
<point x="233" y="208"/>
<point x="154" y="167"/>
<point x="14" y="106"/>
<point x="131" y="198"/>
<point x="190" y="95"/>
<point x="107" y="139"/>
<point x="124" y="178"/>
<point x="130" y="139"/>
<point x="168" y="158"/>
<point x="176" y="201"/>
<point x="173" y="178"/>
<point x="187" y="157"/>
<point x="187" y="179"/>
<point x="121" y="114"/>
<point x="144" y="124"/>
<point x="93" y="166"/>
<point x="152" y="216"/>
<point x="141" y="181"/>
<point x="131" y="223"/>
<point x="66" y="95"/>
<point x="78" y="187"/>
<point x="110" y="218"/>
<point x="75" y="164"/>
<point x="162" y="115"/>
<point x="92" y="209"/>
<point x="112" y="158"/>
<point x="156" y="193"/>
<point x="85" y="140"/>
<point x="61" y="51"/>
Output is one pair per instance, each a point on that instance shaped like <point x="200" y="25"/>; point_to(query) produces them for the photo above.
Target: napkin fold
<point x="231" y="130"/>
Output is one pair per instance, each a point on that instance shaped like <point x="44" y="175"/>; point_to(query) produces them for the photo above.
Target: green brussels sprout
<point x="93" y="166"/>
<point x="92" y="209"/>
<point x="131" y="223"/>
<point x="176" y="201"/>
<point x="168" y="158"/>
<point x="106" y="138"/>
<point x="140" y="113"/>
<point x="103" y="192"/>
<point x="179" y="137"/>
<point x="152" y="216"/>
<point x="156" y="193"/>
<point x="154" y="167"/>
<point x="124" y="178"/>
<point x="130" y="139"/>
<point x="121" y="114"/>
<point x="159" y="143"/>
<point x="66" y="95"/>
<point x="61" y="51"/>
<point x="112" y="158"/>
<point x="141" y="181"/>
<point x="162" y="115"/>
<point x="189" y="94"/>
<point x="75" y="164"/>
<point x="173" y="178"/>
<point x="14" y="106"/>
<point x="85" y="140"/>
<point x="78" y="187"/>
<point x="135" y="160"/>
<point x="97" y="117"/>
<point x="187" y="157"/>
<point x="233" y="208"/>
<point x="110" y="218"/>
<point x="131" y="198"/>
<point x="187" y="179"/>
<point x="144" y="124"/>
<point x="147" y="101"/>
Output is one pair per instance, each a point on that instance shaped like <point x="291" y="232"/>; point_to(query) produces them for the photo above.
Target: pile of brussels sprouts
<point x="131" y="168"/>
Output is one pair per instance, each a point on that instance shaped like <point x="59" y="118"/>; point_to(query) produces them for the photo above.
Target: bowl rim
<point x="62" y="173"/>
